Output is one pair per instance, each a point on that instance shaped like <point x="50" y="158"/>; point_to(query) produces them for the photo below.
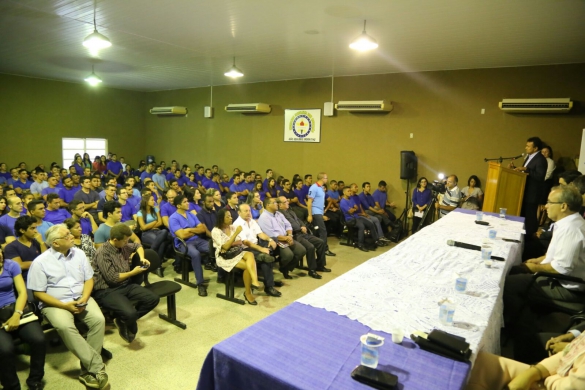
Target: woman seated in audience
<point x="150" y="223"/>
<point x="271" y="190"/>
<point x="258" y="187"/>
<point x="563" y="370"/>
<point x="3" y="204"/>
<point x="191" y="182"/>
<point x="472" y="194"/>
<point x="194" y="197"/>
<point x="218" y="203"/>
<point x="256" y="205"/>
<point x="11" y="310"/>
<point x="81" y="241"/>
<point x="151" y="185"/>
<point x="421" y="199"/>
<point x="87" y="161"/>
<point x="78" y="164"/>
<point x="226" y="239"/>
<point x="127" y="172"/>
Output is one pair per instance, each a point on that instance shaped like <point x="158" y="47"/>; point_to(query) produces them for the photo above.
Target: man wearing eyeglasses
<point x="565" y="256"/>
<point x="62" y="280"/>
<point x="85" y="219"/>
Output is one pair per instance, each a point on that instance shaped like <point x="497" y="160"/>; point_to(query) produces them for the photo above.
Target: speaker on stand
<point x="408" y="171"/>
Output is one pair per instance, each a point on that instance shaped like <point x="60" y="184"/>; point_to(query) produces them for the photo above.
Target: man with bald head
<point x="313" y="245"/>
<point x="251" y="234"/>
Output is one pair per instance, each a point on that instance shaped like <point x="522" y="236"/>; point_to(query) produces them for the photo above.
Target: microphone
<point x="522" y="155"/>
<point x="471" y="247"/>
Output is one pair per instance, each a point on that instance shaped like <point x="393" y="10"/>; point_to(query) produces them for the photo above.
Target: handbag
<point x="410" y="214"/>
<point x="232" y="252"/>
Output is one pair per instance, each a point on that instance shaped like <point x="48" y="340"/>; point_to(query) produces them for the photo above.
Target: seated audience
<point x="159" y="178"/>
<point x="3" y="206"/>
<point x="380" y="238"/>
<point x="54" y="213"/>
<point x="239" y="188"/>
<point x="381" y="199"/>
<point x="85" y="219"/>
<point x="250" y="235"/>
<point x="186" y="226"/>
<point x="148" y="173"/>
<point x="218" y="203"/>
<point x="109" y="196"/>
<point x="62" y="280"/>
<point x="28" y="245"/>
<point x="314" y="246"/>
<point x="39" y="184"/>
<point x="9" y="219"/>
<point x="472" y="195"/>
<point x="351" y="212"/>
<point x="566" y="255"/>
<point x="258" y="188"/>
<point x="150" y="222"/>
<point x="567" y="177"/>
<point x="114" y="290"/>
<point x="451" y="197"/>
<point x="128" y="209"/>
<point x="301" y="196"/>
<point x="13" y="299"/>
<point x="51" y="188"/>
<point x="81" y="241"/>
<point x="87" y="195"/>
<point x="371" y="208"/>
<point x="26" y="198"/>
<point x="276" y="226"/>
<point x="113" y="214"/>
<point x="289" y="194"/>
<point x="67" y="192"/>
<point x="36" y="209"/>
<point x="6" y="236"/>
<point x="114" y="167"/>
<point x="232" y="204"/>
<point x="253" y="200"/>
<point x="22" y="183"/>
<point x="225" y="238"/>
<point x="166" y="206"/>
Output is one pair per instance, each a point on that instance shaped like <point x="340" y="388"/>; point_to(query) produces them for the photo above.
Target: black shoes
<point x="329" y="253"/>
<point x="284" y="274"/>
<point x="323" y="269"/>
<point x="202" y="290"/>
<point x="210" y="266"/>
<point x="123" y="330"/>
<point x="177" y="269"/>
<point x="278" y="283"/>
<point x="250" y="303"/>
<point x="36" y="386"/>
<point x="314" y="275"/>
<point x="272" y="292"/>
<point x="381" y="243"/>
<point x="362" y="248"/>
<point x="106" y="355"/>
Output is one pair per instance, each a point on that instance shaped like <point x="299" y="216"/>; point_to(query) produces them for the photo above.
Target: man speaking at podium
<point x="534" y="166"/>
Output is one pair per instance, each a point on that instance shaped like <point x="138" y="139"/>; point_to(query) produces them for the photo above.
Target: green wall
<point x="35" y="114"/>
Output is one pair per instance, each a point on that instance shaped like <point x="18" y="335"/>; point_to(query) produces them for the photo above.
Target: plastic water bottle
<point x="446" y="312"/>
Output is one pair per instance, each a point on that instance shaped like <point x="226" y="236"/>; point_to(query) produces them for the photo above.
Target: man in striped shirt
<point x="451" y="198"/>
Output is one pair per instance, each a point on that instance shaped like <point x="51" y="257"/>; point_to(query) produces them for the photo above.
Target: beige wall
<point x="441" y="109"/>
<point x="35" y="114"/>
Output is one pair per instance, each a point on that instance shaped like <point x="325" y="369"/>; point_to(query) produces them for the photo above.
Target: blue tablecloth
<point x="510" y="217"/>
<point x="302" y="347"/>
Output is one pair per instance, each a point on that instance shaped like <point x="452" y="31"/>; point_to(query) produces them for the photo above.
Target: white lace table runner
<point x="402" y="287"/>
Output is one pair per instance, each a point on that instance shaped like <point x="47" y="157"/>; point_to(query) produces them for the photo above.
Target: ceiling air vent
<point x="364" y="106"/>
<point x="537" y="106"/>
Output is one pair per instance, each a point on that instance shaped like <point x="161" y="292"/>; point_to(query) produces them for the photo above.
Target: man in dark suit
<point x="535" y="167"/>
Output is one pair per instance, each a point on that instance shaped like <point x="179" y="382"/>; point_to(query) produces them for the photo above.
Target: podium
<point x="504" y="188"/>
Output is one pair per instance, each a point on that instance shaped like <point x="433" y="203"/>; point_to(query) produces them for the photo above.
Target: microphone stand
<point x="501" y="159"/>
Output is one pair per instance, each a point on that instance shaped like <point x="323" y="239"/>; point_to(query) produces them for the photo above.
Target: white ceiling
<point x="176" y="44"/>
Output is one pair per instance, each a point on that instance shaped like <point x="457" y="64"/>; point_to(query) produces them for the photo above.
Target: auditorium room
<point x="260" y="194"/>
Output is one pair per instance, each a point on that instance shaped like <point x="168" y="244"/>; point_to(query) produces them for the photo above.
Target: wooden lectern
<point x="504" y="188"/>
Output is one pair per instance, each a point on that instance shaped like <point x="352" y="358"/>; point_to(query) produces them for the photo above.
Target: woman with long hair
<point x="3" y="205"/>
<point x="86" y="161"/>
<point x="194" y="197"/>
<point x="150" y="223"/>
<point x="421" y="199"/>
<point x="472" y="194"/>
<point x="256" y="204"/>
<point x="225" y="237"/>
<point x="271" y="190"/>
<point x="78" y="164"/>
<point x="258" y="187"/>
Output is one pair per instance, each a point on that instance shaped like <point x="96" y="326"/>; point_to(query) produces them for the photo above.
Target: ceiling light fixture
<point x="96" y="41"/>
<point x="364" y="42"/>
<point x="234" y="72"/>
<point x="92" y="79"/>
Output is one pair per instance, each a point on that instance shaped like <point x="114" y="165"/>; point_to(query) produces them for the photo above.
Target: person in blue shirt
<point x="316" y="208"/>
<point x="239" y="188"/>
<point x="22" y="183"/>
<point x="54" y="213"/>
<point x="369" y="206"/>
<point x="159" y="178"/>
<point x="114" y="167"/>
<point x="36" y="208"/>
<point x="185" y="226"/>
<point x="148" y="173"/>
<point x="351" y="212"/>
<point x="381" y="198"/>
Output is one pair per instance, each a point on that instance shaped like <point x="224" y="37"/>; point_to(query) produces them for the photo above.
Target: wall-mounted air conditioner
<point x="249" y="108"/>
<point x="168" y="111"/>
<point x="364" y="106"/>
<point x="536" y="106"/>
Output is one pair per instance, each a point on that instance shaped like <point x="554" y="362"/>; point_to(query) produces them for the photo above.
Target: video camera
<point x="438" y="186"/>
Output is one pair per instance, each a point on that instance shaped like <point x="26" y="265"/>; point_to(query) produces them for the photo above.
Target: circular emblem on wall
<point x="301" y="124"/>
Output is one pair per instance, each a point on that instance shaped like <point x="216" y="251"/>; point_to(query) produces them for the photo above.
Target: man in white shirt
<point x="250" y="234"/>
<point x="451" y="197"/>
<point x="565" y="255"/>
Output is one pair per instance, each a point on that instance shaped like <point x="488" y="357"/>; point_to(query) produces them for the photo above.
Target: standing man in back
<point x="316" y="207"/>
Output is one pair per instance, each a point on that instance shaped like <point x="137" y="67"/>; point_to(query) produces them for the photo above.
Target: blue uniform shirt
<point x="318" y="195"/>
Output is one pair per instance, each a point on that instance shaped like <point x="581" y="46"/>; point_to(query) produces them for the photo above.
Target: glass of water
<point x="503" y="212"/>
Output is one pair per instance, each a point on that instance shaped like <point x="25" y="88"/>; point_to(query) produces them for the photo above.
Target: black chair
<point x="571" y="308"/>
<point x="165" y="288"/>
<point x="185" y="265"/>
<point x="230" y="282"/>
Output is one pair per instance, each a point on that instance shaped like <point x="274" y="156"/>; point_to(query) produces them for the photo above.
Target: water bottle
<point x="446" y="312"/>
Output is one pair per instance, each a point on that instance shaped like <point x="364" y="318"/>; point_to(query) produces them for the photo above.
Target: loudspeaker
<point x="328" y="109"/>
<point x="149" y="159"/>
<point x="408" y="164"/>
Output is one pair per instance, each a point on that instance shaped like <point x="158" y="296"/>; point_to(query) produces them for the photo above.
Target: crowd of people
<point x="79" y="239"/>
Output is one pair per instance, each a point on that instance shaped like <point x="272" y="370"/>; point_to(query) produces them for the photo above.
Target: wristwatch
<point x="19" y="312"/>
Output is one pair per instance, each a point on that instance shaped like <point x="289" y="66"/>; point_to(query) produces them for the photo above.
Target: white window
<point x="92" y="146"/>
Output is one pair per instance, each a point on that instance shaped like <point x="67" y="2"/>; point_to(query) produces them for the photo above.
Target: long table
<point x="304" y="346"/>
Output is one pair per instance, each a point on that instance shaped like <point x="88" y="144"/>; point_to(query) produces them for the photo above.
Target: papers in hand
<point x="418" y="214"/>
